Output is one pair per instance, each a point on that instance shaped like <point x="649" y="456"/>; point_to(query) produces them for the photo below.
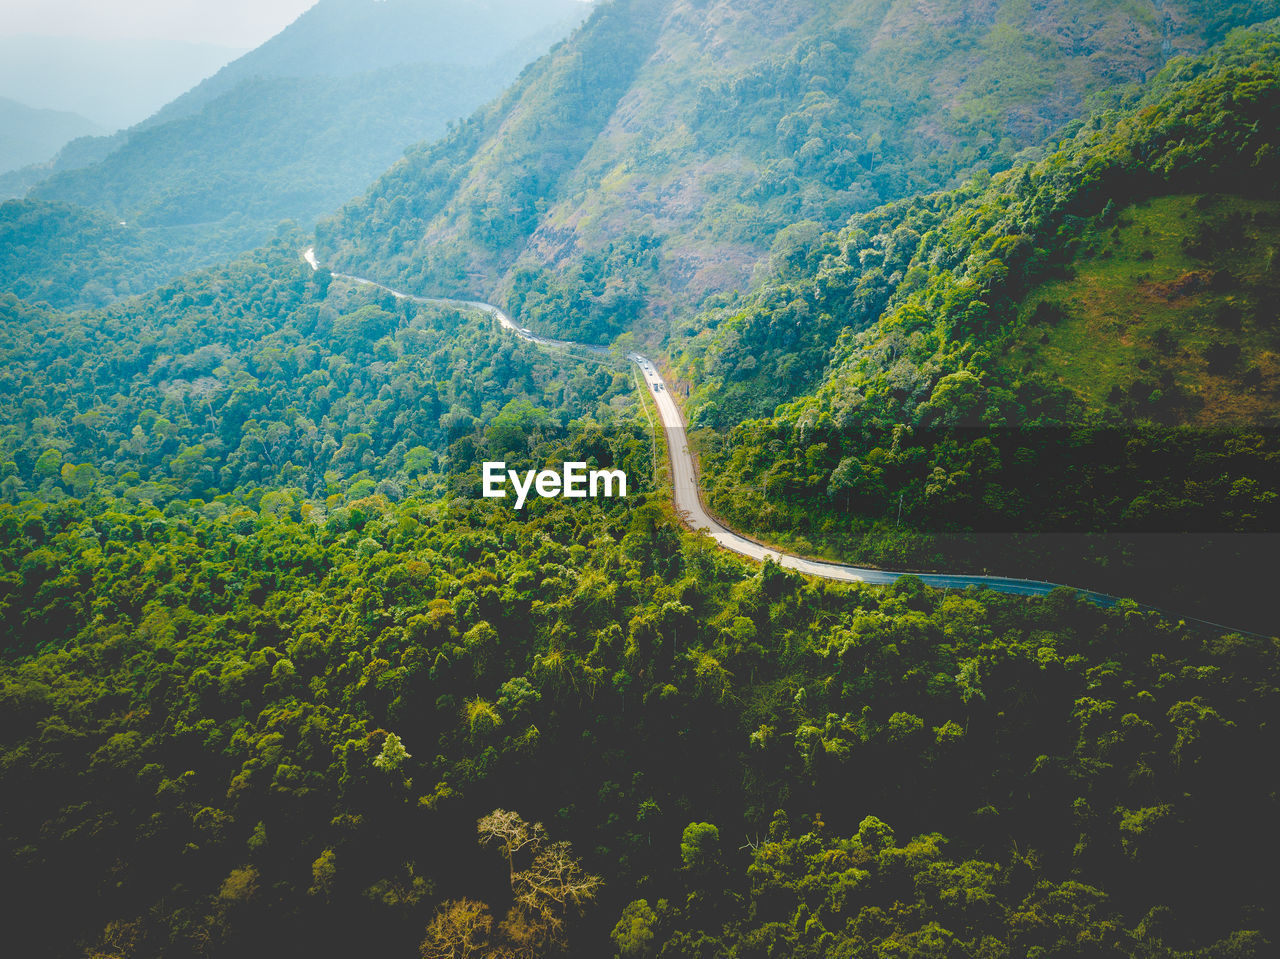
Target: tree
<point x="552" y="888"/>
<point x="547" y="892"/>
<point x="240" y="886"/>
<point x="323" y="872"/>
<point x="392" y="756"/>
<point x="512" y="834"/>
<point x="459" y="930"/>
<point x="700" y="847"/>
<point x="634" y="932"/>
<point x="49" y="464"/>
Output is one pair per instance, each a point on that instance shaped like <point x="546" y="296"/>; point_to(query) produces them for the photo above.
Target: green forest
<point x="263" y="378"/>
<point x="276" y="678"/>
<point x="258" y="731"/>
<point x="971" y="362"/>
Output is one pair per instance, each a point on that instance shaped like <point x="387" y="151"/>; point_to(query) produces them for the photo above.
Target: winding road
<point x="688" y="502"/>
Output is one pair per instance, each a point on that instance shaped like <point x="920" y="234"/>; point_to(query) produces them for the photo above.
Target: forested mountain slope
<point x="276" y="679"/>
<point x="80" y="152"/>
<point x="1086" y="343"/>
<point x="295" y="128"/>
<point x="653" y="159"/>
<point x="55" y="253"/>
<point x="262" y="377"/>
<point x="268" y="657"/>
<point x="266" y="732"/>
<point x="259" y="684"/>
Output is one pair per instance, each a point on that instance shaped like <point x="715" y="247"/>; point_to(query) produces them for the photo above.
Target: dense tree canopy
<point x="252" y="731"/>
<point x="934" y="367"/>
<point x="276" y="679"/>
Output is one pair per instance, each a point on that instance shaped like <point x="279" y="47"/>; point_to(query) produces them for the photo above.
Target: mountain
<point x="1076" y="357"/>
<point x="652" y="160"/>
<point x="263" y="338"/>
<point x="28" y="135"/>
<point x="276" y="677"/>
<point x="344" y="38"/>
<point x="295" y="128"/>
<point x="115" y="82"/>
<point x="80" y="152"/>
<point x="65" y="255"/>
<point x="273" y="673"/>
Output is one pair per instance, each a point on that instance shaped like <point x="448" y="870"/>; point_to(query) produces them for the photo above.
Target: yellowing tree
<point x="459" y="930"/>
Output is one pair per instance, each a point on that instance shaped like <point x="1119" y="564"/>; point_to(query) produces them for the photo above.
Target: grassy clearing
<point x="1168" y="308"/>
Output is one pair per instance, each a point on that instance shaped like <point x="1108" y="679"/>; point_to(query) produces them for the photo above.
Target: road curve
<point x="688" y="504"/>
<point x="685" y="487"/>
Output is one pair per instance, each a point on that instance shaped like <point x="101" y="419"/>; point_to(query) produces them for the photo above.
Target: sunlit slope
<point x="1170" y="308"/>
<point x="1082" y="346"/>
<point x="1118" y="221"/>
<point x="652" y="158"/>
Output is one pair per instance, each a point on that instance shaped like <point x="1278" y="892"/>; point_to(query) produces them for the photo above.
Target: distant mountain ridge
<point x="652" y="160"/>
<point x="379" y="34"/>
<point x="289" y="131"/>
<point x="28" y="134"/>
<point x="113" y="82"/>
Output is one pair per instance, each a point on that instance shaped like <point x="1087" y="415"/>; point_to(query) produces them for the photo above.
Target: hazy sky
<point x="231" y="23"/>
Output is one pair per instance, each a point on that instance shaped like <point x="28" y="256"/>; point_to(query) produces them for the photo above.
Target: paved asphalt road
<point x="689" y="504"/>
<point x="685" y="488"/>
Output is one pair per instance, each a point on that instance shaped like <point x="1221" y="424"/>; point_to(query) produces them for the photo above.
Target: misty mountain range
<point x="296" y="127"/>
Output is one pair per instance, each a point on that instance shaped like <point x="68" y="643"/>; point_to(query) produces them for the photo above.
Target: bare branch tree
<point x="460" y="930"/>
<point x="554" y="886"/>
<point x="512" y="834"/>
<point x="545" y="894"/>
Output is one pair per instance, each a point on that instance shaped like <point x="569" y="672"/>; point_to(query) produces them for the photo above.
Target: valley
<point x="687" y="497"/>
<point x="537" y="480"/>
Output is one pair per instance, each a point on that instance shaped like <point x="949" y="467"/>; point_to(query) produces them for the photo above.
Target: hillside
<point x="277" y="679"/>
<point x="261" y="375"/>
<point x="80" y="152"/>
<point x="28" y="135"/>
<point x="269" y="663"/>
<point x="346" y="38"/>
<point x="69" y="256"/>
<point x="272" y="148"/>
<point x="1083" y="346"/>
<point x="652" y="160"/>
<point x="295" y="128"/>
<point x="1178" y="293"/>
